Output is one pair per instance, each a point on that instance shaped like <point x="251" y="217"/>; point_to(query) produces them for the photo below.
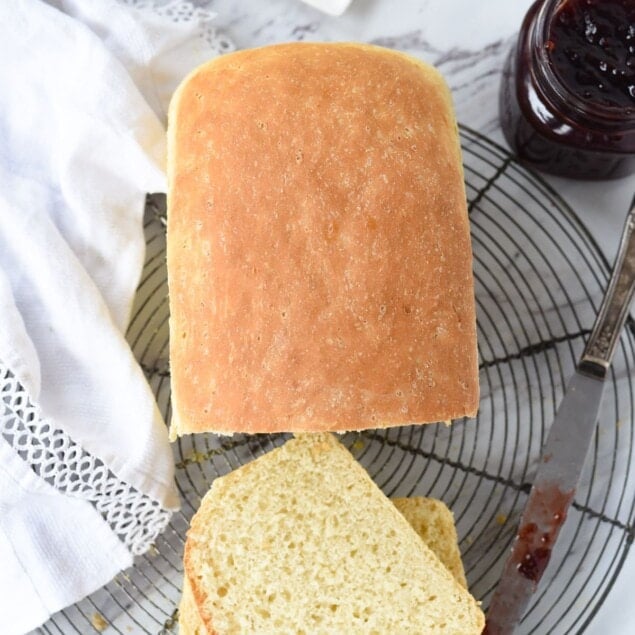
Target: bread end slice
<point x="434" y="523"/>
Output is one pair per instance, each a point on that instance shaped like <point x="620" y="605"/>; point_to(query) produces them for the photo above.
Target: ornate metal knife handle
<point x="615" y="304"/>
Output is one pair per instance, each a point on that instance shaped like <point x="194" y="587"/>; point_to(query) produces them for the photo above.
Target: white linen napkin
<point x="86" y="471"/>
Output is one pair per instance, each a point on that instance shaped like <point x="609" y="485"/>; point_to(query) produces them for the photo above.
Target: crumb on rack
<point x="358" y="444"/>
<point x="501" y="519"/>
<point x="172" y="621"/>
<point x="99" y="622"/>
<point x="196" y="458"/>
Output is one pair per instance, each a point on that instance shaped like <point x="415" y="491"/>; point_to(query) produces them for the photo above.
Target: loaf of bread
<point x="302" y="541"/>
<point x="319" y="258"/>
<point x="429" y="517"/>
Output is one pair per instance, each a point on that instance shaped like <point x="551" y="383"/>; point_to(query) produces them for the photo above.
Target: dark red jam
<point x="568" y="91"/>
<point x="591" y="46"/>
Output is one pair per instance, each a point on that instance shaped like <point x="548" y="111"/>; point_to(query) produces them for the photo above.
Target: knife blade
<point x="565" y="449"/>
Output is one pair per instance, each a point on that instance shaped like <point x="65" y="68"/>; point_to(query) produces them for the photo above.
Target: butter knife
<point x="565" y="450"/>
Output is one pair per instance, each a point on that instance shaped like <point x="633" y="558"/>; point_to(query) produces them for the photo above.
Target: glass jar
<point x="567" y="100"/>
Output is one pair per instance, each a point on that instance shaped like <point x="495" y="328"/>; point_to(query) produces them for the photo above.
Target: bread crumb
<point x="501" y="519"/>
<point x="196" y="457"/>
<point x="99" y="622"/>
<point x="358" y="444"/>
<point x="171" y="622"/>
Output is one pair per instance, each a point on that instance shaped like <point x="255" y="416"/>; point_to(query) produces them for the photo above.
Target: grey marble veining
<point x="471" y="68"/>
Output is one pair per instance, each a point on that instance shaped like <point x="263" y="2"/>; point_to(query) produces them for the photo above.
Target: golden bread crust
<point x="190" y="622"/>
<point x="319" y="254"/>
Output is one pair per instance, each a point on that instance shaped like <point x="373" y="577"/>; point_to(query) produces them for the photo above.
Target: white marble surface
<point x="467" y="41"/>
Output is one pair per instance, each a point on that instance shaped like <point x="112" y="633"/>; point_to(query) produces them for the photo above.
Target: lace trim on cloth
<point x="134" y="517"/>
<point x="187" y="11"/>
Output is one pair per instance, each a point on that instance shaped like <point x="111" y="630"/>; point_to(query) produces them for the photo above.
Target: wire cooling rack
<point x="539" y="278"/>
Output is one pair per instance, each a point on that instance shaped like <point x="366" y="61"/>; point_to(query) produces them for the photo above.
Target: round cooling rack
<point x="539" y="278"/>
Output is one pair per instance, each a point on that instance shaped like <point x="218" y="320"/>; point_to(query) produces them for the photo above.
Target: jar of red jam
<point x="567" y="101"/>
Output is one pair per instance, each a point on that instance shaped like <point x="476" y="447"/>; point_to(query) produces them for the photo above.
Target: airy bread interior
<point x="429" y="517"/>
<point x="302" y="541"/>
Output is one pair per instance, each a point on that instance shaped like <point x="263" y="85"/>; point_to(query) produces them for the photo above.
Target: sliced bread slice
<point x="434" y="523"/>
<point x="429" y="517"/>
<point x="302" y="541"/>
